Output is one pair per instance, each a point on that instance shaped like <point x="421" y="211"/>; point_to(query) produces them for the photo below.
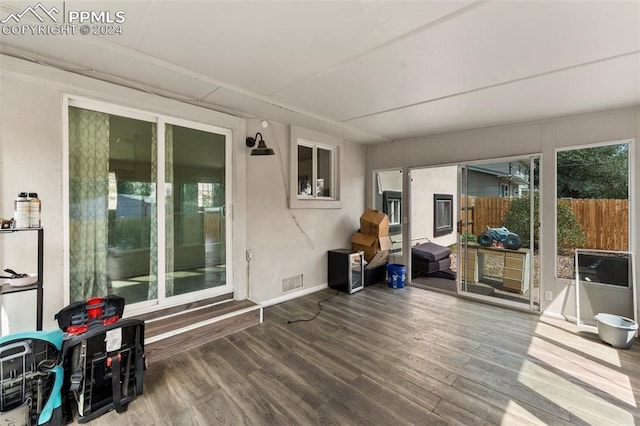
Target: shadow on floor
<point x="485" y="289"/>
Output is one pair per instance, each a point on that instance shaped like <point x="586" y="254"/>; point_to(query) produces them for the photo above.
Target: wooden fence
<point x="605" y="222"/>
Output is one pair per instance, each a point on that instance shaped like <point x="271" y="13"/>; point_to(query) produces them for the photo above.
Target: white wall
<point x="424" y="183"/>
<point x="542" y="137"/>
<point x="288" y="242"/>
<point x="31" y="159"/>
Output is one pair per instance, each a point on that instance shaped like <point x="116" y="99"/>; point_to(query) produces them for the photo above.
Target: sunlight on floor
<point x="592" y="372"/>
<point x="596" y="365"/>
<point x="564" y="333"/>
<point x="219" y="268"/>
<point x="144" y="278"/>
<point x="121" y="284"/>
<point x="514" y="413"/>
<point x="182" y="274"/>
<point x="572" y="396"/>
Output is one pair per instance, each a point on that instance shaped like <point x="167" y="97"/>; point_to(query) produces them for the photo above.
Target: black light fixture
<point x="262" y="148"/>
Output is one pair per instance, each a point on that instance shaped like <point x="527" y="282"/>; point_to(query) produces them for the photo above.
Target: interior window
<point x="324" y="175"/>
<point x="315" y="170"/>
<point x="315" y="167"/>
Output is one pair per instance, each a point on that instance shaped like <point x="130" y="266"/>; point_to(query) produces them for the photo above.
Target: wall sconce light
<point x="262" y="148"/>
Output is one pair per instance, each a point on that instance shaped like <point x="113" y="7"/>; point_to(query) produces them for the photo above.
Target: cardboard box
<point x="381" y="258"/>
<point x="374" y="223"/>
<point x="369" y="244"/>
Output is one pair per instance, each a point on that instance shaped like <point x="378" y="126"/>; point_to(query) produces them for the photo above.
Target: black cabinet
<point x="7" y="289"/>
<point x="345" y="270"/>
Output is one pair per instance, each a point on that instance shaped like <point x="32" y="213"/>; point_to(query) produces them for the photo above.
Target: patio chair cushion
<point x="430" y="252"/>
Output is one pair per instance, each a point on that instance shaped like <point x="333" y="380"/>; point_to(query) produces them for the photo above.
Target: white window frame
<point x="505" y="191"/>
<point x="394" y="209"/>
<point x="314" y="140"/>
<point x="314" y="169"/>
<point x="631" y="193"/>
<point x="161" y="121"/>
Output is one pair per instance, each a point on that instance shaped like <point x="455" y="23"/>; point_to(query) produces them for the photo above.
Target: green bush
<point x="468" y="237"/>
<point x="570" y="233"/>
<point x="516" y="219"/>
<point x="132" y="233"/>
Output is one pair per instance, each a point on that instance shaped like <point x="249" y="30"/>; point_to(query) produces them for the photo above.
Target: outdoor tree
<point x="135" y="188"/>
<point x="600" y="172"/>
<point x="516" y="219"/>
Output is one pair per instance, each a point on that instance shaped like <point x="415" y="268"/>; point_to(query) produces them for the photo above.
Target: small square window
<point x="442" y="214"/>
<point x="315" y="168"/>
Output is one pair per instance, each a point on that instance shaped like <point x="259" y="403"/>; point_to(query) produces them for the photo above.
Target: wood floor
<point x="393" y="356"/>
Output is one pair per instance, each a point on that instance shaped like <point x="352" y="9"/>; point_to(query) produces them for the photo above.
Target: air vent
<point x="292" y="282"/>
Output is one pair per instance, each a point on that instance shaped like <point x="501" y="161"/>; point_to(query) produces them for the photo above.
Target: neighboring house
<point x="510" y="179"/>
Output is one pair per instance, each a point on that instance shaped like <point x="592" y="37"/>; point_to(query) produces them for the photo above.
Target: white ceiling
<point x="367" y="71"/>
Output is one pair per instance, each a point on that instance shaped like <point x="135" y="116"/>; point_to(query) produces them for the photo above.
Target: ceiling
<point x="368" y="71"/>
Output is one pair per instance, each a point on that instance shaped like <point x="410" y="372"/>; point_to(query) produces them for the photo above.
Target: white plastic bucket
<point x="615" y="330"/>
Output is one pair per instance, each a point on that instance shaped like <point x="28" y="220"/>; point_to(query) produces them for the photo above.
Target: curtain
<point x="88" y="202"/>
<point x="169" y="209"/>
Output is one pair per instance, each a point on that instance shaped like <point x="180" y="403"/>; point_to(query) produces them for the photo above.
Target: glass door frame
<point x="163" y="300"/>
<point x="393" y="256"/>
<point x="410" y="225"/>
<point x="462" y="184"/>
<point x="160" y="120"/>
<point x="631" y="188"/>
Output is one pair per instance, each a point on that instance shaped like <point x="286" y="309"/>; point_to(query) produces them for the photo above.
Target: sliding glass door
<point x="432" y="208"/>
<point x="195" y="210"/>
<point x="147" y="207"/>
<point x="498" y="231"/>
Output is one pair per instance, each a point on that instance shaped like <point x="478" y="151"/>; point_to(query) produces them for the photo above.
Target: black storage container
<point x="375" y="275"/>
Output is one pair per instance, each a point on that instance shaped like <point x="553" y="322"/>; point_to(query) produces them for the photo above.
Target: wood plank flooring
<point x="389" y="357"/>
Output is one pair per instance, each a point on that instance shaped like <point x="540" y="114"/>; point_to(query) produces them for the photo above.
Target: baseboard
<point x="294" y="295"/>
